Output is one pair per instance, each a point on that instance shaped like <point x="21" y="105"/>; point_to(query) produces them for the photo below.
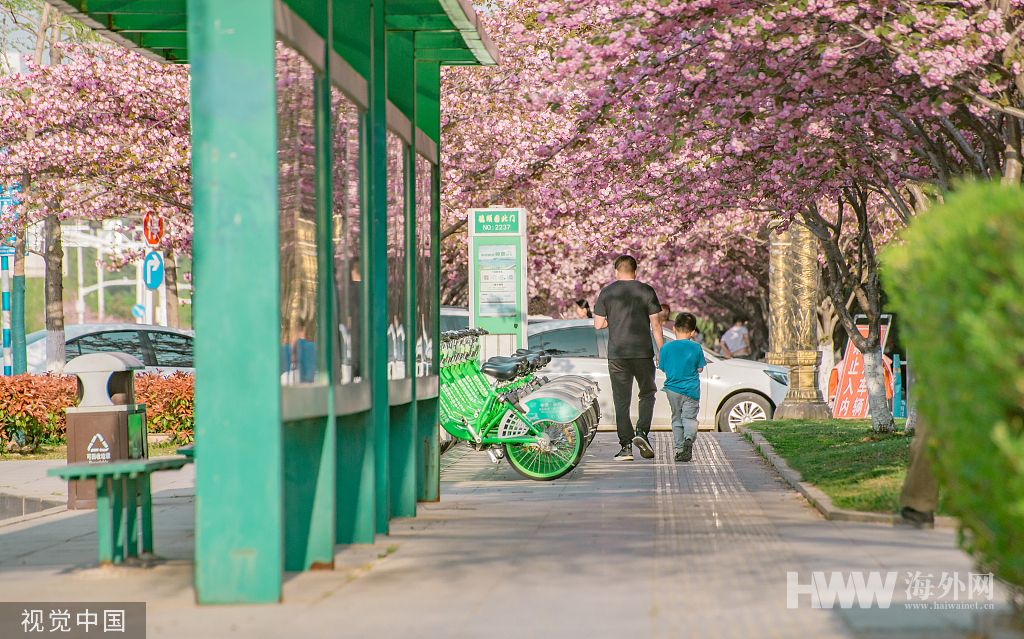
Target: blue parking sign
<point x="153" y="270"/>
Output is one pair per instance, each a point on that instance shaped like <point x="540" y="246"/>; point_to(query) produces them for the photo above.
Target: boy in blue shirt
<point x="682" y="361"/>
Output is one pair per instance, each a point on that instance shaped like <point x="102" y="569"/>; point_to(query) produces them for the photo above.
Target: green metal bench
<point x="188" y="451"/>
<point x="122" y="487"/>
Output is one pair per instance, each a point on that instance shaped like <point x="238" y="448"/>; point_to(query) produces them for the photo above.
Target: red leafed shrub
<point x="169" y="404"/>
<point x="32" y="408"/>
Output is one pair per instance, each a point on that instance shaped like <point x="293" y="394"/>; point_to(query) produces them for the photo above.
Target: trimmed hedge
<point x="957" y="283"/>
<point x="32" y="408"/>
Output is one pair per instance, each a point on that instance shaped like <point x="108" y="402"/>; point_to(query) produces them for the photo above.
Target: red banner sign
<point x="852" y="390"/>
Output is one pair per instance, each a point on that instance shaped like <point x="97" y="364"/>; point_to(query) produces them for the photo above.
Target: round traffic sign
<point x="153" y="270"/>
<point x="153" y="228"/>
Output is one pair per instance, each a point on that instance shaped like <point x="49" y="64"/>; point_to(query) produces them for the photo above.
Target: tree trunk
<point x="18" y="346"/>
<point x="44" y="25"/>
<point x="1012" y="161"/>
<point x="827" y="319"/>
<point x="55" y="351"/>
<point x="878" y="405"/>
<point x="859" y="280"/>
<point x="911" y="426"/>
<point x="54" y="257"/>
<point x="171" y="283"/>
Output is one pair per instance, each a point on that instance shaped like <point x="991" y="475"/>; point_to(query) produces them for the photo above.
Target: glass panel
<point x="296" y="154"/>
<point x="348" y="284"/>
<point x="426" y="289"/>
<point x="170" y="349"/>
<point x="396" y="258"/>
<point x="111" y="342"/>
<point x="568" y="342"/>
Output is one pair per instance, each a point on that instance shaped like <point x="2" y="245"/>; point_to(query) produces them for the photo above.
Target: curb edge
<point x="817" y="497"/>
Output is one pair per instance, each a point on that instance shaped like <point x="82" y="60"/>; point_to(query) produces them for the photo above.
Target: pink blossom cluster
<point x="103" y="135"/>
<point x="654" y="125"/>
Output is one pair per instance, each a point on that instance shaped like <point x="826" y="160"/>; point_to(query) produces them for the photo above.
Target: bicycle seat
<point x="531" y="351"/>
<point x="503" y="371"/>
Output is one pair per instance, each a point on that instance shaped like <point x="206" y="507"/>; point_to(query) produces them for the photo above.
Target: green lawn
<point x="858" y="469"/>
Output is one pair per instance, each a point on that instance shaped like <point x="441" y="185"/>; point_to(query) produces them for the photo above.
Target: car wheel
<point x="743" y="408"/>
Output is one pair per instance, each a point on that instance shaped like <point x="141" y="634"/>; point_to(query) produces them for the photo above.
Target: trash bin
<point x="107" y="424"/>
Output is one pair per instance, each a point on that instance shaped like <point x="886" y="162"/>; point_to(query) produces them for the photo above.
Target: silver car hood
<point x="752" y="365"/>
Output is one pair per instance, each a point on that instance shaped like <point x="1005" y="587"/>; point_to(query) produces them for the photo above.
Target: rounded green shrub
<point x="957" y="282"/>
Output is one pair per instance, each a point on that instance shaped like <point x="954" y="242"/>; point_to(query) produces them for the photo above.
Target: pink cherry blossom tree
<point x="102" y="133"/>
<point x="801" y="111"/>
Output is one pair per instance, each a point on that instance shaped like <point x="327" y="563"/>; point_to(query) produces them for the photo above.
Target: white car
<point x="454" y="318"/>
<point x="163" y="350"/>
<point x="732" y="391"/>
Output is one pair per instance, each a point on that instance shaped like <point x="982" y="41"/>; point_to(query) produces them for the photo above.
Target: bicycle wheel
<point x="558" y="449"/>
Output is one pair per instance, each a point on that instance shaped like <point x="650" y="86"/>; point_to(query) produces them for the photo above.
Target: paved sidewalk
<point x="644" y="549"/>
<point x="28" y="479"/>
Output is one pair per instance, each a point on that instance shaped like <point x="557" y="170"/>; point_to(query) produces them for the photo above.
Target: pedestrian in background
<point x="631" y="312"/>
<point x="581" y="309"/>
<point x="736" y="341"/>
<point x="666" y="314"/>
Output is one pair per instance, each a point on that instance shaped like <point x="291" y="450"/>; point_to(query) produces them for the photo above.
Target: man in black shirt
<point x="630" y="310"/>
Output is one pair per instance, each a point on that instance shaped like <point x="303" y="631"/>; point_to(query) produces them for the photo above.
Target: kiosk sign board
<point x="497" y="264"/>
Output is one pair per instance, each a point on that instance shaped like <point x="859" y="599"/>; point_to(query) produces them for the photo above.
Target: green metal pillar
<point x="18" y="346"/>
<point x="428" y="116"/>
<point x="403" y="428"/>
<point x="376" y="280"/>
<point x="239" y="465"/>
<point x="356" y="454"/>
<point x="401" y="82"/>
<point x="310" y="446"/>
<point x="356" y="480"/>
<point x="428" y="453"/>
<point x="309" y="454"/>
<point x="429" y="409"/>
<point x="403" y="460"/>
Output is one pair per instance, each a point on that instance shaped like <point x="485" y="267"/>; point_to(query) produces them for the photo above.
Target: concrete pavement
<point x="648" y="548"/>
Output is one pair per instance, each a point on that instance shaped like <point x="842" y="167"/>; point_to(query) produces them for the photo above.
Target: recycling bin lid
<point x="103" y="363"/>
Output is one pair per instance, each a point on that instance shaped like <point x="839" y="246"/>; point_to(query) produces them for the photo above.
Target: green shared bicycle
<point x="504" y="407"/>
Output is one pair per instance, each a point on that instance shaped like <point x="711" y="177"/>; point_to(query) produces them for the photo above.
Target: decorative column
<point x="793" y="340"/>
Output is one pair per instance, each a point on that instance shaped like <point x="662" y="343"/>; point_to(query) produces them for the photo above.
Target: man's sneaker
<point x="916" y="518"/>
<point x="686" y="454"/>
<point x="626" y="454"/>
<point x="641" y="442"/>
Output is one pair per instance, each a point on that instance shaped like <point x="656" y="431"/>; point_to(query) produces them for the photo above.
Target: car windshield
<point x="567" y="342"/>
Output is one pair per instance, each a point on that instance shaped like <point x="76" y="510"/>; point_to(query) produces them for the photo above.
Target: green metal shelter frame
<point x="283" y="473"/>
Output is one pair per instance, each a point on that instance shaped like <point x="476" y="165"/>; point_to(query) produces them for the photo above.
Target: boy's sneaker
<point x="626" y="454"/>
<point x="641" y="442"/>
<point x="686" y="454"/>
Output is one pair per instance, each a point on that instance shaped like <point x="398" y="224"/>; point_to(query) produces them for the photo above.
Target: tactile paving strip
<point x="718" y="551"/>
